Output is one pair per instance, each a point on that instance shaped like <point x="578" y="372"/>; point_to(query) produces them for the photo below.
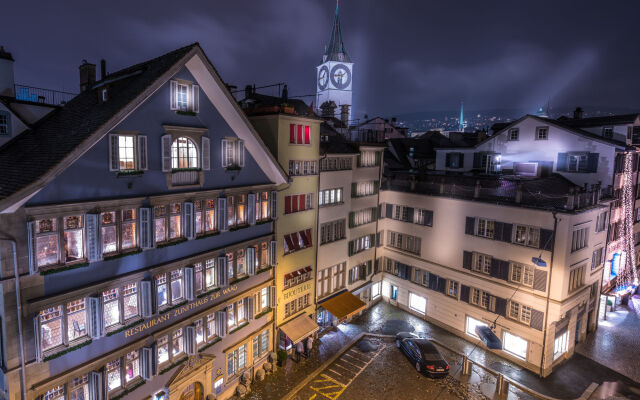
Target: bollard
<point x="466" y="366"/>
<point x="502" y="386"/>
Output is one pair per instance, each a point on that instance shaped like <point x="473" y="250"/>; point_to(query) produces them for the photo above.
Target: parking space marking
<point x="329" y="391"/>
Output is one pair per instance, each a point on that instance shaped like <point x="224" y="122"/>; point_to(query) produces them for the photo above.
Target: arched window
<point x="184" y="153"/>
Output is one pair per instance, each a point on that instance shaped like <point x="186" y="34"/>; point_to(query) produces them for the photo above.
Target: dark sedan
<point x="423" y="354"/>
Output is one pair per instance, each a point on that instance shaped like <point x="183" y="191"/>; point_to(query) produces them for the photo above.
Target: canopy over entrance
<point x="343" y="305"/>
<point x="299" y="328"/>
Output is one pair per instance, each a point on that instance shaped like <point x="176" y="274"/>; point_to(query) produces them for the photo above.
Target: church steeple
<point x="335" y="50"/>
<point x="461" y="124"/>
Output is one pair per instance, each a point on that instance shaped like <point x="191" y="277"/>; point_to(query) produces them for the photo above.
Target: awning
<point x="299" y="328"/>
<point x="488" y="337"/>
<point x="343" y="305"/>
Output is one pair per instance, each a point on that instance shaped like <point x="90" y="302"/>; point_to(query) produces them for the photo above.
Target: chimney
<point x="103" y="69"/>
<point x="87" y="75"/>
<point x="393" y="121"/>
<point x="577" y="113"/>
<point x="7" y="82"/>
<point x="344" y="114"/>
<point x="247" y="91"/>
<point x="285" y="94"/>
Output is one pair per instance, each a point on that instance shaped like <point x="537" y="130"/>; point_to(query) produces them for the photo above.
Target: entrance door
<point x="394" y="292"/>
<point x="195" y="391"/>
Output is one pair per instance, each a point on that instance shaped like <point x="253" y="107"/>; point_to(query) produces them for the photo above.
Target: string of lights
<point x="628" y="275"/>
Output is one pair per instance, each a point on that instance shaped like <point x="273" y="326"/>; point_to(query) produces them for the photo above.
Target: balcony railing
<point x="182" y="178"/>
<point x="42" y="96"/>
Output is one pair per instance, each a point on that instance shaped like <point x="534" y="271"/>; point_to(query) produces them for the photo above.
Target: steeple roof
<point x="335" y="50"/>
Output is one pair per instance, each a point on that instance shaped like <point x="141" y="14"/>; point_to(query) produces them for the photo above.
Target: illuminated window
<point x="182" y="97"/>
<point x="232" y="153"/>
<point x="56" y="393"/>
<point x="130" y="300"/>
<point x="417" y="303"/>
<point x="184" y="153"/>
<point x="521" y="273"/>
<point x="51" y="327"/>
<point x="161" y="290"/>
<point x="375" y="291"/>
<point x="210" y="216"/>
<point x="109" y="232"/>
<point x="472" y="323"/>
<point x="76" y="319"/>
<point x="264" y="298"/>
<point x="160" y="223"/>
<point x="210" y="273"/>
<point x="175" y="221"/>
<point x="114" y="379"/>
<point x="79" y="388"/>
<point x="231" y="316"/>
<point x="126" y="152"/>
<point x="177" y="343"/>
<point x="47" y="249"/>
<point x="452" y="288"/>
<point x="163" y="349"/>
<point x="211" y="325"/>
<point x="132" y="366"/>
<point x="199" y="331"/>
<point x="485" y="228"/>
<point x="111" y="307"/>
<point x="236" y="360"/>
<point x="527" y="235"/>
<point x="515" y="345"/>
<point x="129" y="228"/>
<point x="176" y="286"/>
<point x="560" y="345"/>
<point x="73" y="235"/>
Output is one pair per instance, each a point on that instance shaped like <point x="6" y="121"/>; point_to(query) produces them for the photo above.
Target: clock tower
<point x="334" y="77"/>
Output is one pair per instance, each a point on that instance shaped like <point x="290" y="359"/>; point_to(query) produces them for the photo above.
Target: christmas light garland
<point x="628" y="275"/>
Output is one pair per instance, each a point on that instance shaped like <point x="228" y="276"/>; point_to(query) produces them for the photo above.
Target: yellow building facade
<point x="294" y="139"/>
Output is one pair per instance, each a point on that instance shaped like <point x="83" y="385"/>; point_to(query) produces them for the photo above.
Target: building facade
<point x="137" y="221"/>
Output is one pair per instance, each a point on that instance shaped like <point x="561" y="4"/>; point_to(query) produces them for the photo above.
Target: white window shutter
<point x="249" y="307"/>
<point x="223" y="276"/>
<point x="251" y="260"/>
<point x="146" y="238"/>
<point x="224" y="150"/>
<point x="142" y="153"/>
<point x="146" y="363"/>
<point x="173" y="103"/>
<point x="273" y="250"/>
<point x="114" y="153"/>
<point x="189" y="220"/>
<point x="221" y="323"/>
<point x="195" y="98"/>
<point x="190" y="340"/>
<point x="166" y="153"/>
<point x="189" y="288"/>
<point x="223" y="222"/>
<point x="92" y="226"/>
<point x="31" y="238"/>
<point x="274" y="205"/>
<point x="272" y="296"/>
<point x="251" y="208"/>
<point x="96" y="320"/>
<point x="206" y="154"/>
<point x="240" y="159"/>
<point x="146" y="305"/>
<point x="95" y="386"/>
<point x="36" y="336"/>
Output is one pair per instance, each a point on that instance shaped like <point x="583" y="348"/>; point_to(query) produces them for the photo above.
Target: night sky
<point x="409" y="55"/>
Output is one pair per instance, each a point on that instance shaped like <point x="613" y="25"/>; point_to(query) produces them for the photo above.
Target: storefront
<point x="339" y="308"/>
<point x="515" y="345"/>
<point x="296" y="330"/>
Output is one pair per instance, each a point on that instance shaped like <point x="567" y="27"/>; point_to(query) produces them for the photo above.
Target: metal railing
<point x="42" y="96"/>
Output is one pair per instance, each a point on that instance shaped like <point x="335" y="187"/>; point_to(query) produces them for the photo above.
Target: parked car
<point x="425" y="356"/>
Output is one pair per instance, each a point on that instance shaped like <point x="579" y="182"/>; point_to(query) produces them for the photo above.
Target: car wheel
<point x="398" y="343"/>
<point x="418" y="367"/>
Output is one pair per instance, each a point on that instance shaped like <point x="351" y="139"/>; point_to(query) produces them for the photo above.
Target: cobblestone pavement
<point x="609" y="344"/>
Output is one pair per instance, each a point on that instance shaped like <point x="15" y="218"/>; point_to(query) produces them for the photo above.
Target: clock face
<point x="340" y="76"/>
<point x="323" y="77"/>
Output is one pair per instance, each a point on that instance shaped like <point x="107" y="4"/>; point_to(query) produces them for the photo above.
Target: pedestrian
<point x="299" y="350"/>
<point x="309" y="345"/>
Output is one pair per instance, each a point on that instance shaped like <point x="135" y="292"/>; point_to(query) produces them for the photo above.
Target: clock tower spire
<point x="335" y="76"/>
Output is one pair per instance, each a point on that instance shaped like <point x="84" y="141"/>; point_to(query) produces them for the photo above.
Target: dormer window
<point x="127" y="153"/>
<point x="607" y="132"/>
<point x="185" y="97"/>
<point x="5" y="123"/>
<point x="104" y="94"/>
<point x="232" y="153"/>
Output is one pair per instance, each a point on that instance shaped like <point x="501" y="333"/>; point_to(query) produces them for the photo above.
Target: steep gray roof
<point x="335" y="50"/>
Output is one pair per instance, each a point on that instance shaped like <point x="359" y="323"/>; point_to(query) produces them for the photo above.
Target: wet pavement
<point x="610" y="343"/>
<point x="568" y="381"/>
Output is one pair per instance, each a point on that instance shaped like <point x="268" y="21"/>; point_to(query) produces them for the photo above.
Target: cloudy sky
<point x="409" y="55"/>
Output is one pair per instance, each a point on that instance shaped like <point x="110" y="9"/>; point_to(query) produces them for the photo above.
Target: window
<point x="161" y="289"/>
<point x="130" y="300"/>
<point x="260" y="344"/>
<point x="335" y="163"/>
<point x="79" y="388"/>
<point x="301" y="168"/>
<point x="51" y="327"/>
<point x="299" y="134"/>
<point x="490" y="162"/>
<point x="560" y="345"/>
<point x="132" y="366"/>
<point x="400" y="213"/>
<point x="482" y="263"/>
<point x="423" y="217"/>
<point x="452" y="288"/>
<point x="521" y="273"/>
<point x="241" y="209"/>
<point x="365" y="188"/>
<point x="479" y="298"/>
<point x="597" y="258"/>
<point x="329" y="197"/>
<point x="177" y="343"/>
<point x="338" y="274"/>
<point x="579" y="239"/>
<point x="264" y="298"/>
<point x="607" y="132"/>
<point x="160" y="223"/>
<point x="362" y="217"/>
<point x="375" y="290"/>
<point x="485" y="228"/>
<point x="5" y="119"/>
<point x="73" y="238"/>
<point x="332" y="231"/>
<point x="601" y="221"/>
<point x="263" y="211"/>
<point x="217" y="386"/>
<point x="211" y="326"/>
<point x="240" y="267"/>
<point x="454" y="160"/>
<point x="175" y="220"/>
<point x="542" y="133"/>
<point x="297" y="241"/>
<point x="46" y="233"/>
<point x="576" y="278"/>
<point x="126" y="152"/>
<point x="114" y="379"/>
<point x="361" y="244"/>
<point x="109" y="232"/>
<point x="129" y="229"/>
<point x="163" y="349"/>
<point x="232" y="153"/>
<point x="177" y="293"/>
<point x="576" y="162"/>
<point x="56" y="393"/>
<point x="514" y="133"/>
<point x="519" y="312"/>
<point x="527" y="236"/>
<point x="210" y="216"/>
<point x="111" y="307"/>
<point x="369" y="158"/>
<point x="236" y="360"/>
<point x="417" y="303"/>
<point x="185" y="97"/>
<point x="296" y="277"/>
<point x="76" y="319"/>
<point x="296" y="305"/>
<point x="298" y="202"/>
<point x="231" y="316"/>
<point x="404" y="242"/>
<point x="515" y="345"/>
<point x="184" y="153"/>
<point x="472" y="323"/>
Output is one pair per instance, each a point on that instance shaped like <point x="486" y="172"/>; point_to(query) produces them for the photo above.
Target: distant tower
<point x="335" y="74"/>
<point x="461" y="124"/>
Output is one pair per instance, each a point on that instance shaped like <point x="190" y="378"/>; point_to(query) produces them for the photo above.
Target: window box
<point x="55" y="269"/>
<point x="134" y="172"/>
<point x="125" y="327"/>
<point x="120" y="255"/>
<point x="208" y="292"/>
<point x="237" y="328"/>
<point x="238" y="227"/>
<point x="206" y="235"/>
<point x="263" y="313"/>
<point x="265" y="269"/>
<point x="233" y="168"/>
<point x="206" y="346"/>
<point x="189" y="113"/>
<point x="265" y="221"/>
<point x="172" y="243"/>
<point x="185" y="176"/>
<point x="67" y="350"/>
<point x="242" y="278"/>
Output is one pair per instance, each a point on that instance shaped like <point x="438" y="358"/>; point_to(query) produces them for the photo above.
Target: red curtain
<point x="292" y="133"/>
<point x="307" y="135"/>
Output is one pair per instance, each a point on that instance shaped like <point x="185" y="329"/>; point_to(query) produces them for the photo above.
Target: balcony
<point x="42" y="96"/>
<point x="185" y="177"/>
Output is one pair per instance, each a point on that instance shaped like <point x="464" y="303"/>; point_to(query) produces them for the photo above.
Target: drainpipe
<point x="23" y="382"/>
<point x="546" y="313"/>
<point x="315" y="278"/>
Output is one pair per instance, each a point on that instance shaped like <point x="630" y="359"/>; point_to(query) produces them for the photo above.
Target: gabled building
<point x="137" y="220"/>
